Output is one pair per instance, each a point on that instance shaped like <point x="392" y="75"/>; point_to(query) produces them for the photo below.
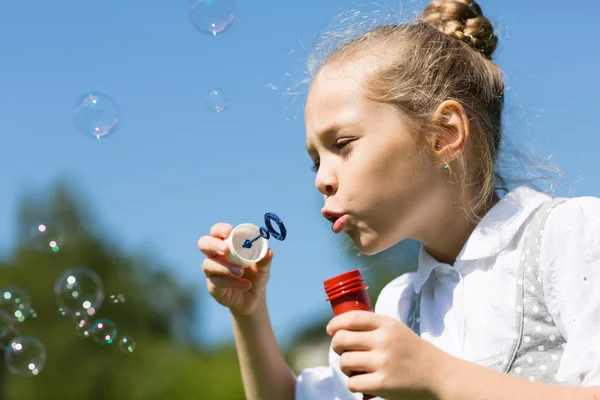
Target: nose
<point x="326" y="182"/>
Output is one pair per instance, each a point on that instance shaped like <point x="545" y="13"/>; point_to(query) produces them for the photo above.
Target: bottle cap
<point x="246" y="256"/>
<point x="347" y="292"/>
<point x="248" y="243"/>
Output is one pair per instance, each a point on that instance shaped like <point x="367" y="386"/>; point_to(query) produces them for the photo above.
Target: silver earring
<point x="446" y="167"/>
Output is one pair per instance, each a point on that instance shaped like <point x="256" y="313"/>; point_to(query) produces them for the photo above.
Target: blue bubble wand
<point x="269" y="230"/>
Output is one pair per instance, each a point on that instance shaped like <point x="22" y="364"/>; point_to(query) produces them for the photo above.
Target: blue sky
<point x="173" y="167"/>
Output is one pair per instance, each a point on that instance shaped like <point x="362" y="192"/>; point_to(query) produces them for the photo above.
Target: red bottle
<point x="348" y="292"/>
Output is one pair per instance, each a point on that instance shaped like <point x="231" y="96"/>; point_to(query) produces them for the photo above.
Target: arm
<point x="463" y="380"/>
<point x="265" y="373"/>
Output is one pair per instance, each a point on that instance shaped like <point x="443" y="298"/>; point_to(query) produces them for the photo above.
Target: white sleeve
<point x="319" y="383"/>
<point x="329" y="383"/>
<point x="570" y="262"/>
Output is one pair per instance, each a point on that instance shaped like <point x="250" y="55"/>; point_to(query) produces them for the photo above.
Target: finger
<point x="266" y="260"/>
<point x="356" y="362"/>
<point x="357" y="320"/>
<point x="366" y="383"/>
<point x="221" y="230"/>
<point x="219" y="266"/>
<point x="344" y="341"/>
<point x="212" y="246"/>
<point x="227" y="282"/>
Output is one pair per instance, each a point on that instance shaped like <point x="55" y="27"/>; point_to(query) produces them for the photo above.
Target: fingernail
<point x="237" y="271"/>
<point x="222" y="248"/>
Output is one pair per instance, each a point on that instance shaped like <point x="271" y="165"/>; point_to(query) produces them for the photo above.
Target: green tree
<point x="158" y="314"/>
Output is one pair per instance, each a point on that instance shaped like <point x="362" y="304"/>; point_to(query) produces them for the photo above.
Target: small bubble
<point x="212" y="16"/>
<point x="117" y="298"/>
<point x="104" y="331"/>
<point x="96" y="115"/>
<point x="83" y="328"/>
<point x="127" y="344"/>
<point x="47" y="237"/>
<point x="25" y="356"/>
<point x="79" y="289"/>
<point x="7" y="335"/>
<point x="16" y="301"/>
<point x="80" y="315"/>
<point x="217" y="100"/>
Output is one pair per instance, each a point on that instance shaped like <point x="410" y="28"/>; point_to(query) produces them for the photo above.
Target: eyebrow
<point x="330" y="130"/>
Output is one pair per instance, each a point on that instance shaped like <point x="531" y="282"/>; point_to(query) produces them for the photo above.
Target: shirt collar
<point x="494" y="232"/>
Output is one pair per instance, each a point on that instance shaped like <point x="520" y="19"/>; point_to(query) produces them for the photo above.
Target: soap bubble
<point x="212" y="16"/>
<point x="80" y="315"/>
<point x="83" y="328"/>
<point x="25" y="356"/>
<point x="7" y="335"/>
<point x="96" y="115"/>
<point x="117" y="298"/>
<point x="127" y="344"/>
<point x="79" y="289"/>
<point x="104" y="331"/>
<point x="16" y="301"/>
<point x="47" y="237"/>
<point x="217" y="100"/>
<point x="7" y="325"/>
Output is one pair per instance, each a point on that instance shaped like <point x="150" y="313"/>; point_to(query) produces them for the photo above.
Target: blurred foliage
<point x="157" y="313"/>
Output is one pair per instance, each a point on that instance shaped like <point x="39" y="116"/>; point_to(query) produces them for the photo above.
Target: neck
<point x="447" y="240"/>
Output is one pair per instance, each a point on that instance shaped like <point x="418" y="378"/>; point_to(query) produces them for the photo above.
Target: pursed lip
<point x="331" y="215"/>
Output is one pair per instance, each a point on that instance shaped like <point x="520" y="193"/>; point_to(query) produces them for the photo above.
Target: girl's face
<point x="370" y="163"/>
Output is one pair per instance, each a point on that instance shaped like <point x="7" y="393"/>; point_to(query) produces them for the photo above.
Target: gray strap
<point x="414" y="313"/>
<point x="530" y="258"/>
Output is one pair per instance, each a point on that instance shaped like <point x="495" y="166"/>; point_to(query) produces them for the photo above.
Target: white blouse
<point x="468" y="310"/>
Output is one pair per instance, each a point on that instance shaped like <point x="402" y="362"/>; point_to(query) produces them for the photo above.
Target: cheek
<point x="398" y="164"/>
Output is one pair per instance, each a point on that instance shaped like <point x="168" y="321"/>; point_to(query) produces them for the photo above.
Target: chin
<point x="368" y="245"/>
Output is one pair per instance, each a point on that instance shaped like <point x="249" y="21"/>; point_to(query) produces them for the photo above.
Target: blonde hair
<point x="445" y="54"/>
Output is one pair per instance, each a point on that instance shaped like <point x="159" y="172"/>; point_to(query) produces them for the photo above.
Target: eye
<point x="315" y="166"/>
<point x="342" y="145"/>
<point x="339" y="147"/>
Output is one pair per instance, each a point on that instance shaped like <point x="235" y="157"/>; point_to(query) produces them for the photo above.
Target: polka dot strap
<point x="537" y="343"/>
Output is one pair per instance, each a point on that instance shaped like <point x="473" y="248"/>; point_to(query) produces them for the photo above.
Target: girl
<point x="403" y="125"/>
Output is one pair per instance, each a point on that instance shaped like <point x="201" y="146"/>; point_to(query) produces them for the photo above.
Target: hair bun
<point x="462" y="20"/>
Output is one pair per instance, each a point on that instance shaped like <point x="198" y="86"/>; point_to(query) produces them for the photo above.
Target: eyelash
<point x="339" y="146"/>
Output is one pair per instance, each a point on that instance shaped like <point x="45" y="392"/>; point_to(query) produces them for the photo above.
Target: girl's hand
<point x="231" y="285"/>
<point x="393" y="361"/>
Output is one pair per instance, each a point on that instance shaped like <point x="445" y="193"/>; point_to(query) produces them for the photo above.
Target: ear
<point x="452" y="133"/>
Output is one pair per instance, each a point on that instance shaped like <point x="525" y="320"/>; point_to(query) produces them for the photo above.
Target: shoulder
<point x="578" y="207"/>
<point x="570" y="264"/>
<point x="576" y="219"/>
<point x="570" y="253"/>
<point x="395" y="297"/>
